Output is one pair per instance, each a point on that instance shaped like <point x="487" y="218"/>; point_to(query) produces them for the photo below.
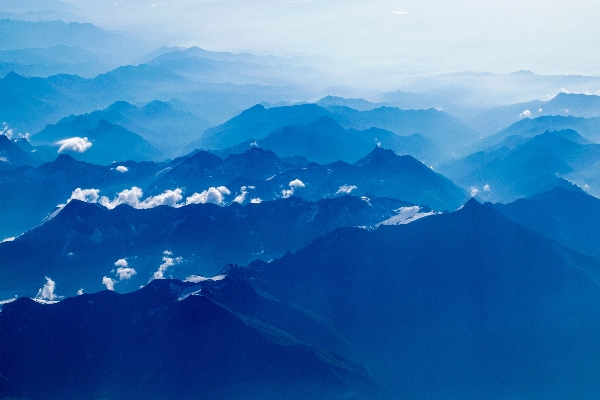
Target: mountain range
<point x="80" y="244"/>
<point x="467" y="303"/>
<point x="520" y="167"/>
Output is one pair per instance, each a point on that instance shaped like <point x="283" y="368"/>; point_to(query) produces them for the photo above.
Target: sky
<point x="547" y="37"/>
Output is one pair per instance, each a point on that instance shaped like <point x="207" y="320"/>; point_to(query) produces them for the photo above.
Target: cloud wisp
<point x="75" y="144"/>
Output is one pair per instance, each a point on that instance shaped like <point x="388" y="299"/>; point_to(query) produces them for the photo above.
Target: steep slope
<point x="567" y="215"/>
<point x="156" y="343"/>
<point x="467" y="304"/>
<point x="12" y="156"/>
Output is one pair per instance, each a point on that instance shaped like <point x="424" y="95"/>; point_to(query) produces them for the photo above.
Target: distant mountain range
<point x="257" y="123"/>
<point x="563" y="104"/>
<point x="520" y="166"/>
<point x="163" y="126"/>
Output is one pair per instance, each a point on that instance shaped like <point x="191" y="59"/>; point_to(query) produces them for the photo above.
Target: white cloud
<point x="9" y="239"/>
<point x="80" y="292"/>
<point x="256" y="200"/>
<point x="486" y="188"/>
<point x="474" y="191"/>
<point x="121" y="262"/>
<point x="400" y="12"/>
<point x="198" y="278"/>
<point x="296" y="183"/>
<point x="109" y="283"/>
<point x="122" y="168"/>
<point x="525" y="113"/>
<point x="540" y="110"/>
<point x="132" y="198"/>
<point x="125" y="273"/>
<point x="46" y="293"/>
<point x="211" y="195"/>
<point x="87" y="195"/>
<point x="563" y="90"/>
<point x="345" y="189"/>
<point x="75" y="144"/>
<point x="240" y="198"/>
<point x="167" y="262"/>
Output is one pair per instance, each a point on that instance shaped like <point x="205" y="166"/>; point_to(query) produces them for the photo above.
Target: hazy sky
<point x="547" y="37"/>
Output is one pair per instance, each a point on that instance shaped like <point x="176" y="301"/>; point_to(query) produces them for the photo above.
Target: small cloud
<point x="8" y="239"/>
<point x="80" y="292"/>
<point x="257" y="200"/>
<point x="125" y="273"/>
<point x="297" y="183"/>
<point x="122" y="168"/>
<point x="525" y="113"/>
<point x="211" y="195"/>
<point x="198" y="278"/>
<point x="240" y="198"/>
<point x="486" y="188"/>
<point x="46" y="293"/>
<point x="474" y="191"/>
<point x="540" y="110"/>
<point x="121" y="262"/>
<point x="87" y="195"/>
<point x="565" y="91"/>
<point x="400" y="12"/>
<point x="74" y="144"/>
<point x="346" y="189"/>
<point x="109" y="283"/>
<point x="168" y="261"/>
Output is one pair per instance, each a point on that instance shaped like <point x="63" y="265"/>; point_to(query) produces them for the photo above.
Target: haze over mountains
<point x="185" y="218"/>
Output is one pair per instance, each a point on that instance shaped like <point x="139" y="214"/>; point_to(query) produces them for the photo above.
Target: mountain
<point x="59" y="59"/>
<point x="325" y="141"/>
<point x="80" y="244"/>
<point x="529" y="127"/>
<point x="256" y="123"/>
<point x="563" y="104"/>
<point x="161" y="342"/>
<point x="120" y="49"/>
<point x="467" y="304"/>
<point x="29" y="104"/>
<point x="566" y="215"/>
<point x="444" y="131"/>
<point x="202" y="170"/>
<point x="12" y="156"/>
<point x="507" y="172"/>
<point x="31" y="193"/>
<point x="104" y="144"/>
<point x="163" y="126"/>
<point x="356" y="104"/>
<point x="381" y="173"/>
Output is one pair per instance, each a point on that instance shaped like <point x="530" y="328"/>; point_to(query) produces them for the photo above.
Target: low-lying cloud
<point x="74" y="144"/>
<point x="46" y="293"/>
<point x="133" y="197"/>
<point x="296" y="183"/>
<point x="168" y="261"/>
